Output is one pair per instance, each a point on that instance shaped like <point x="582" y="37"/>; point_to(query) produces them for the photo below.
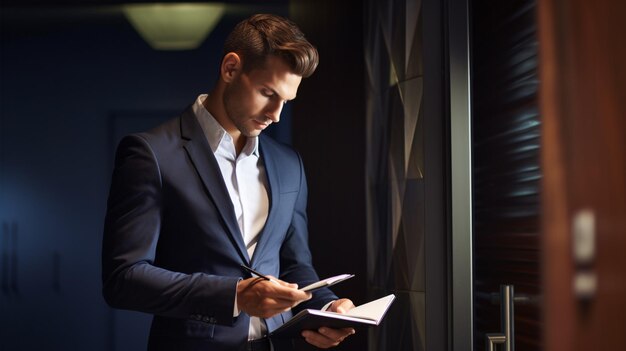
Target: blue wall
<point x="66" y="93"/>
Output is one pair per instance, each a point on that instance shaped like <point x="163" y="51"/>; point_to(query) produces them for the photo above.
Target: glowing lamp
<point x="178" y="26"/>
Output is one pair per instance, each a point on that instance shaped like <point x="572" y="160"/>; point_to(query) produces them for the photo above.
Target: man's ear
<point x="231" y="66"/>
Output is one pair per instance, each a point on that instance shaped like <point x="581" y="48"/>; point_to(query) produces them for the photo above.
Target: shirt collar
<point x="215" y="133"/>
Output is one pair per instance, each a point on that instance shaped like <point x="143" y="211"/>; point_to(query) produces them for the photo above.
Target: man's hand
<point x="262" y="298"/>
<point x="327" y="337"/>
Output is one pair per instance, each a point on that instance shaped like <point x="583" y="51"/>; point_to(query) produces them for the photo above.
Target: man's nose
<point x="273" y="111"/>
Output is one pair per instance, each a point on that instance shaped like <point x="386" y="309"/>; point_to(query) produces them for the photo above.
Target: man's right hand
<point x="263" y="298"/>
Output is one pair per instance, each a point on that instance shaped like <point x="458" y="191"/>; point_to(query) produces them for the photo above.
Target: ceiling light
<point x="174" y="26"/>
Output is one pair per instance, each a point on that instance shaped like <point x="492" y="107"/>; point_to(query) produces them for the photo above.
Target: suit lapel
<point x="273" y="181"/>
<point x="204" y="161"/>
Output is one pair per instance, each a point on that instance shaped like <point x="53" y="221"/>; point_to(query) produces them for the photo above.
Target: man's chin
<point x="252" y="133"/>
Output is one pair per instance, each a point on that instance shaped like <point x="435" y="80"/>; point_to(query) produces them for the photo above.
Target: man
<point x="194" y="199"/>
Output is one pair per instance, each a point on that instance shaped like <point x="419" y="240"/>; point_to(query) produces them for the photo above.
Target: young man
<point x="194" y="199"/>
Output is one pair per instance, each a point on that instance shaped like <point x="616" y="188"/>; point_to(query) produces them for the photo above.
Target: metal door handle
<point x="507" y="314"/>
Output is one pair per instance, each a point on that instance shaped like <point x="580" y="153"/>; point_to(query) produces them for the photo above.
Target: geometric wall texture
<point x="394" y="170"/>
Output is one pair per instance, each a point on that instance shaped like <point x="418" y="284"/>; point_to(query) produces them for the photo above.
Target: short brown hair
<point x="263" y="35"/>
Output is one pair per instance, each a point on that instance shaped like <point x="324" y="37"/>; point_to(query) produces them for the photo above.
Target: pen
<point x="257" y="273"/>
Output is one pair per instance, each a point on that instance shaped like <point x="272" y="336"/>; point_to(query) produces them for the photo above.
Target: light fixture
<point x="174" y="26"/>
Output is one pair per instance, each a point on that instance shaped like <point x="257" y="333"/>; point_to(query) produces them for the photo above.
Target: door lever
<point x="507" y="323"/>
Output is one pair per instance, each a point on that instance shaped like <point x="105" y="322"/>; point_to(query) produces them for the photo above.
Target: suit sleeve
<point x="131" y="232"/>
<point x="296" y="261"/>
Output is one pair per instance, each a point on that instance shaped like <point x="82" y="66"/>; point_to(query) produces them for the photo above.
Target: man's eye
<point x="267" y="93"/>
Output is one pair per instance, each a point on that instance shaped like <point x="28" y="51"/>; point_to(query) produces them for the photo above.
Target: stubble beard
<point x="236" y="117"/>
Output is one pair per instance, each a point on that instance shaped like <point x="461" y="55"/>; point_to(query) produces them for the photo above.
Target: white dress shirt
<point x="246" y="181"/>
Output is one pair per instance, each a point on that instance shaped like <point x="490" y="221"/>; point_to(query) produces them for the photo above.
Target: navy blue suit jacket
<point x="172" y="246"/>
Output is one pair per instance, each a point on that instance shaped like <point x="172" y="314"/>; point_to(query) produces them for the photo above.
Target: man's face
<point x="255" y="99"/>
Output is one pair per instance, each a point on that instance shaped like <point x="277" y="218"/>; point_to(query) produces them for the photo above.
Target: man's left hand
<point x="328" y="337"/>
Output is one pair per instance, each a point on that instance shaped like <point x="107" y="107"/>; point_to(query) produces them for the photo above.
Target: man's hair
<point x="262" y="35"/>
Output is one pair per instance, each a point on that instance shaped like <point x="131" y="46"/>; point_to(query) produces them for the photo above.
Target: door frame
<point x="461" y="276"/>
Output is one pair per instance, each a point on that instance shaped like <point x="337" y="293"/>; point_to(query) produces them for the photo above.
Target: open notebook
<point x="370" y="313"/>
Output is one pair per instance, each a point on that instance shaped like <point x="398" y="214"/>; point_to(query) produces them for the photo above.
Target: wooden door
<point x="583" y="104"/>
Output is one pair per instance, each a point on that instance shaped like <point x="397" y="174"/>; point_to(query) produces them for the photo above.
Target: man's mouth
<point x="262" y="125"/>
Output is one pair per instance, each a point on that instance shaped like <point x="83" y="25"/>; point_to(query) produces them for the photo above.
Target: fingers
<point x="278" y="290"/>
<point x="262" y="298"/>
<point x="341" y="306"/>
<point x="327" y="337"/>
<point x="283" y="283"/>
<point x="288" y="291"/>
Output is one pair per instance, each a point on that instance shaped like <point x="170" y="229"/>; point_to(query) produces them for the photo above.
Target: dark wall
<point x="407" y="171"/>
<point x="397" y="174"/>
<point x="61" y="87"/>
<point x="71" y="82"/>
<point x="329" y="132"/>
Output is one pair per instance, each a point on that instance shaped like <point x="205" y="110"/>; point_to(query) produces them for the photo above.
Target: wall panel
<point x="395" y="170"/>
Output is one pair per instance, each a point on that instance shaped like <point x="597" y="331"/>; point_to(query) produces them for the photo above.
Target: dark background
<point x="75" y="77"/>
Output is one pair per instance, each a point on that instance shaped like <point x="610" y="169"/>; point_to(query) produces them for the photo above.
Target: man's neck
<point x="213" y="104"/>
